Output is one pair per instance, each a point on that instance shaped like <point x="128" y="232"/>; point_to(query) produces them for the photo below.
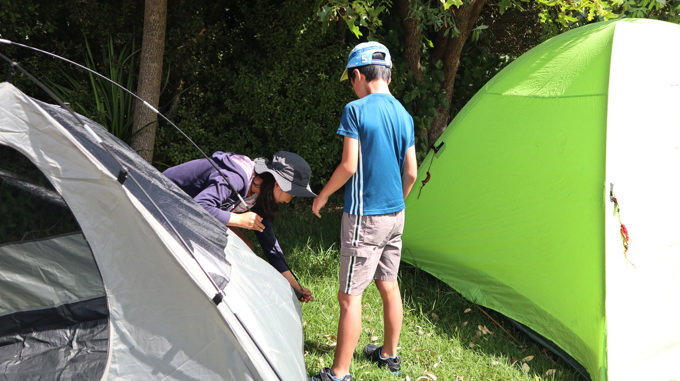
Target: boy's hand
<point x="344" y="171"/>
<point x="319" y="202"/>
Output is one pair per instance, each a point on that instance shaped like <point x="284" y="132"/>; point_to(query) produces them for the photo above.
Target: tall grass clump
<point x="105" y="102"/>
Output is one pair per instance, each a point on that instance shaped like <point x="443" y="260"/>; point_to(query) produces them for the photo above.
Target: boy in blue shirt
<point x="378" y="169"/>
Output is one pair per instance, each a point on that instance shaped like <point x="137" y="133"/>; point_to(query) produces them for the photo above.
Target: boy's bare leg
<point x="393" y="315"/>
<point x="349" y="330"/>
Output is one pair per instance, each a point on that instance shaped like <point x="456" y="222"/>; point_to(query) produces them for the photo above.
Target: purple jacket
<point x="208" y="188"/>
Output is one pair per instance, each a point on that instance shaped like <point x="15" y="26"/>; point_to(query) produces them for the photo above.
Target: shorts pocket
<point x="361" y="236"/>
<point x="374" y="231"/>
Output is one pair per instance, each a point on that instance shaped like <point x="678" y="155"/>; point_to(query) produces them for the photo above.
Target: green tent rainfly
<point x="552" y="198"/>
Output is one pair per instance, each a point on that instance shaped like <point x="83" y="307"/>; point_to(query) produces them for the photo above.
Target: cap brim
<point x="344" y="76"/>
<point x="285" y="185"/>
<point x="294" y="189"/>
<point x="260" y="165"/>
<point x="299" y="191"/>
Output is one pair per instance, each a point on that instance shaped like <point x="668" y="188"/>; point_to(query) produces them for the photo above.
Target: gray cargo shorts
<point x="370" y="249"/>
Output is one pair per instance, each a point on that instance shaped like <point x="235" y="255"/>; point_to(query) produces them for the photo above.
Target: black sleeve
<point x="270" y="246"/>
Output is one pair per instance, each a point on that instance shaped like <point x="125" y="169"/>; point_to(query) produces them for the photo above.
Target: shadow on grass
<point x="476" y="328"/>
<point x="318" y="349"/>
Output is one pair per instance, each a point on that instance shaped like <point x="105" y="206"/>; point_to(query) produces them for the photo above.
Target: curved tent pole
<point x="5" y="41"/>
<point x="123" y="173"/>
<point x="11" y="72"/>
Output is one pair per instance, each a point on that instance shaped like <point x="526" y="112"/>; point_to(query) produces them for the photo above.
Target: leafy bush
<point x="257" y="82"/>
<point x="109" y="104"/>
<point x="59" y="27"/>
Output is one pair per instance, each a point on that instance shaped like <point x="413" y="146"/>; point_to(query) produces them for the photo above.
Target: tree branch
<point x="465" y="18"/>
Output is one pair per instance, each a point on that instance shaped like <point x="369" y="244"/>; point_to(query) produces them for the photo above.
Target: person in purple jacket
<point x="246" y="194"/>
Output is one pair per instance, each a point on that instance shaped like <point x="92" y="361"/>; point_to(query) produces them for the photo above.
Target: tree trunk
<point x="466" y="16"/>
<point x="411" y="39"/>
<point x="149" y="82"/>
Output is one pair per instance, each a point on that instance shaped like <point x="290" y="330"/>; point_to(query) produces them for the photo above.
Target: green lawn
<point x="444" y="337"/>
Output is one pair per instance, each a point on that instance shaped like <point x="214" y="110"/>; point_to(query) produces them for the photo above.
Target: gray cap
<point x="290" y="171"/>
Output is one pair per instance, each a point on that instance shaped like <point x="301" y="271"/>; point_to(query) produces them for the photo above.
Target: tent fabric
<point x="161" y="265"/>
<point x="16" y="181"/>
<point x="68" y="342"/>
<point x="42" y="273"/>
<point x="520" y="193"/>
<point x="643" y="159"/>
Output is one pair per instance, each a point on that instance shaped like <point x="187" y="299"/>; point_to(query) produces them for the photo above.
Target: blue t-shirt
<point x="384" y="130"/>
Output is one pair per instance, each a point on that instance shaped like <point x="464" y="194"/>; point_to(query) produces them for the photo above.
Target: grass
<point x="444" y="336"/>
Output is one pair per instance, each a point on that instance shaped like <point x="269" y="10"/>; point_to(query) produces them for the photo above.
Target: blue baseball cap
<point x="362" y="55"/>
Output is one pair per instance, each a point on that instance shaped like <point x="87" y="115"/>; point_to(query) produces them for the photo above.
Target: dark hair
<point x="265" y="203"/>
<point x="372" y="71"/>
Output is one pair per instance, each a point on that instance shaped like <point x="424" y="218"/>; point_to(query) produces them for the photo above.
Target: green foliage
<point x="449" y="3"/>
<point x="59" y="27"/>
<point x="257" y="90"/>
<point x="479" y="63"/>
<point x="566" y="14"/>
<point x="109" y="105"/>
<point x="436" y="17"/>
<point x="259" y="76"/>
<point x="667" y="10"/>
<point x="114" y="106"/>
<point x="356" y="14"/>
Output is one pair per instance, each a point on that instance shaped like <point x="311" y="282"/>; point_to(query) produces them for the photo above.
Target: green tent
<point x="552" y="198"/>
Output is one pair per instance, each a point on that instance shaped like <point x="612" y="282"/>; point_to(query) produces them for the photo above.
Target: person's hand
<point x="305" y="296"/>
<point x="247" y="220"/>
<point x="319" y="202"/>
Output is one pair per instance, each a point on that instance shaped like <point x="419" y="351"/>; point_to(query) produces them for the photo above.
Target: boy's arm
<point x="345" y="170"/>
<point x="410" y="172"/>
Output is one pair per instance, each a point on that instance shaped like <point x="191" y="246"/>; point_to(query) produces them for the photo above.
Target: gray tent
<point x="152" y="287"/>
